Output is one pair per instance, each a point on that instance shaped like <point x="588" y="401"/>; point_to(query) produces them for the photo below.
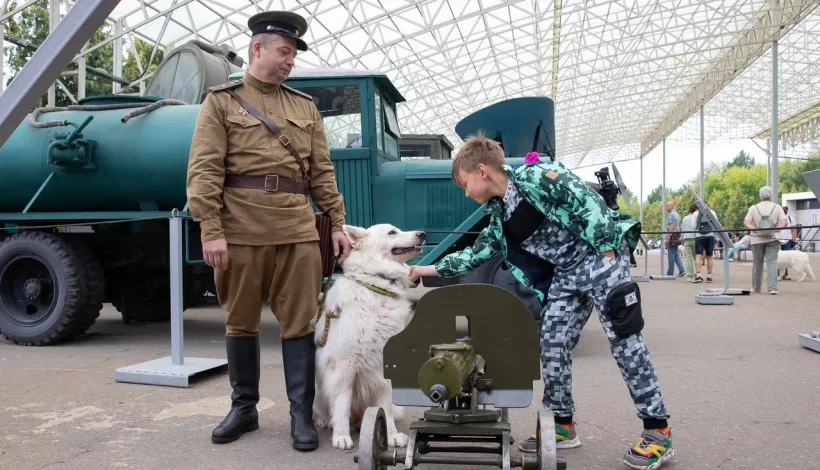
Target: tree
<point x="33" y="24"/>
<point x="790" y="174"/>
<point x="655" y="195"/>
<point x="130" y="70"/>
<point x="743" y="160"/>
<point x="731" y="194"/>
<point x="652" y="222"/>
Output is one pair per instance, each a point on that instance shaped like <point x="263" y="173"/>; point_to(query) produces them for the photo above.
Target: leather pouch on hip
<point x="624" y="309"/>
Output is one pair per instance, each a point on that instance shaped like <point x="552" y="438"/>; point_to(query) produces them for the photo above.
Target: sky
<point x="682" y="163"/>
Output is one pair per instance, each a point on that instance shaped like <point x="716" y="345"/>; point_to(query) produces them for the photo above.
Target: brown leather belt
<point x="270" y="183"/>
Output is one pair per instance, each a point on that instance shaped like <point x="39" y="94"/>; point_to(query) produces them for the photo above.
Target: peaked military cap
<point x="285" y="23"/>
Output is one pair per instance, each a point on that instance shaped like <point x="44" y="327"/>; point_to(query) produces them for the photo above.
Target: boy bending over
<point x="560" y="240"/>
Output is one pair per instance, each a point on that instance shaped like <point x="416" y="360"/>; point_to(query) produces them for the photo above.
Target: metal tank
<point x="109" y="166"/>
<point x="101" y="159"/>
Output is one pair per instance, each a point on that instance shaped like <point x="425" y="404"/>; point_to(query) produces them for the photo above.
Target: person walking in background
<point x="673" y="241"/>
<point x="787" y="236"/>
<point x="704" y="244"/>
<point x="765" y="215"/>
<point x="689" y="224"/>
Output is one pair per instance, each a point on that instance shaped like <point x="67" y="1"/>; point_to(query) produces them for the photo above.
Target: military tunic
<point x="272" y="239"/>
<point x="228" y="140"/>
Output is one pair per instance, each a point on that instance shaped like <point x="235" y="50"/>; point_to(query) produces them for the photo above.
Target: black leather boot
<point x="243" y="372"/>
<point x="299" y="358"/>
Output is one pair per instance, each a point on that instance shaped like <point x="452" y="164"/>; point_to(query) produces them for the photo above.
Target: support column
<point x="640" y="205"/>
<point x="663" y="211"/>
<point x="116" y="87"/>
<point x="775" y="144"/>
<point x="81" y="74"/>
<point x="663" y="276"/>
<point x="702" y="143"/>
<point x="53" y="21"/>
<point x="2" y="57"/>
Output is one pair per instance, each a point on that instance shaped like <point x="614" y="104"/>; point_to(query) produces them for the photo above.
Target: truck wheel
<point x="42" y="289"/>
<point x="143" y="296"/>
<point x="95" y="281"/>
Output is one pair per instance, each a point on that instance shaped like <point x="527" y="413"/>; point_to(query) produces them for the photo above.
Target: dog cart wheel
<point x="372" y="440"/>
<point x="547" y="452"/>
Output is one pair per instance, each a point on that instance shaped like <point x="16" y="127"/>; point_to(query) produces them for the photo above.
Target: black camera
<point x="607" y="188"/>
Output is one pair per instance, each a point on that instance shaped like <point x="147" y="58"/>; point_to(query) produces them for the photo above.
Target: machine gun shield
<point x="501" y="330"/>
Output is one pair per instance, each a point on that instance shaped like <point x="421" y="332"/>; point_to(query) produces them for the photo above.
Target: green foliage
<point x="730" y="190"/>
<point x="130" y="70"/>
<point x="743" y="160"/>
<point x="652" y="216"/>
<point x="655" y="195"/>
<point x="32" y="25"/>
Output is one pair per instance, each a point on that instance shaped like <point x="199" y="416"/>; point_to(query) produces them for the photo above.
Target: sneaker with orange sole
<point x="566" y="437"/>
<point x="652" y="449"/>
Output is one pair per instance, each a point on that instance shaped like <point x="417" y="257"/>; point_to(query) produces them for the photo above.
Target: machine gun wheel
<point x="547" y="452"/>
<point x="372" y="440"/>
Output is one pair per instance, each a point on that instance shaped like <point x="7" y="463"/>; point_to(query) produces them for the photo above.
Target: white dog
<point x="795" y="260"/>
<point x="367" y="307"/>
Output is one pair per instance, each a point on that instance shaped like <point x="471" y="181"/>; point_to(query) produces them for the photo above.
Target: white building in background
<point x="805" y="209"/>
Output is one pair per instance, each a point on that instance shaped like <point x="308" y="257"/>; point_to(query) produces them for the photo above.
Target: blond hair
<point x="477" y="150"/>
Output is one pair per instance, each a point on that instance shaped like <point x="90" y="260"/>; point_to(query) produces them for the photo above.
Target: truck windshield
<point x="341" y="112"/>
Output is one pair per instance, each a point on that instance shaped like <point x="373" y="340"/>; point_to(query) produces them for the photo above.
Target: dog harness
<point x="329" y="314"/>
<point x="377" y="289"/>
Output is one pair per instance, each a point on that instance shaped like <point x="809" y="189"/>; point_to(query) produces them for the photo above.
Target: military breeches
<point x="290" y="276"/>
<point x="572" y="293"/>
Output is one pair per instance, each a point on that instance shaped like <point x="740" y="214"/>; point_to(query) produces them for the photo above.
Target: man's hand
<point x="340" y="241"/>
<point x="215" y="253"/>
<point x="417" y="272"/>
<point x="610" y="253"/>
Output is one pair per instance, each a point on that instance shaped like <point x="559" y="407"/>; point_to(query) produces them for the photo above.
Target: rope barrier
<point x="175" y="213"/>
<point x="744" y="229"/>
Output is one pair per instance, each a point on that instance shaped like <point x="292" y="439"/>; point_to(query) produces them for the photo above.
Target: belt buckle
<point x="285" y="142"/>
<point x="267" y="187"/>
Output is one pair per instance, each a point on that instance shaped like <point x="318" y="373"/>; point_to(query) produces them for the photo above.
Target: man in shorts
<point x="704" y="244"/>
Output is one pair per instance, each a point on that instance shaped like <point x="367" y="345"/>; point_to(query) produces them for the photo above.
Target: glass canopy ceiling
<point x="624" y="74"/>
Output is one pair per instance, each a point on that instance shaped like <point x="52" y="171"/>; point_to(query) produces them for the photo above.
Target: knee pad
<point x="623" y="305"/>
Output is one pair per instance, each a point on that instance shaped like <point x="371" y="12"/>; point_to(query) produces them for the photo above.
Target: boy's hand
<point x="609" y="254"/>
<point x="417" y="272"/>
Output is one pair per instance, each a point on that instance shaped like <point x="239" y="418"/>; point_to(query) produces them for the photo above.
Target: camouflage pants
<point x="572" y="295"/>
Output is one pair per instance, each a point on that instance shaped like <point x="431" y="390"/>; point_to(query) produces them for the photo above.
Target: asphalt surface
<point x="742" y="393"/>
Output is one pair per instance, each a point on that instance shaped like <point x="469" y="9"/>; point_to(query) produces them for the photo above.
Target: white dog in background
<point x="795" y="260"/>
<point x="367" y="307"/>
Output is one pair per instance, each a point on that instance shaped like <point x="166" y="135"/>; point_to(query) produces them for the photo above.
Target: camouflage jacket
<point x="564" y="199"/>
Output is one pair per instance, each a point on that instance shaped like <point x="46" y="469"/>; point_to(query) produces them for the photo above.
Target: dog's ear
<point x="356" y="235"/>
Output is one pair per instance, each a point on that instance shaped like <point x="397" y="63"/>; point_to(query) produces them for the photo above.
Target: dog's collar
<point x="377" y="289"/>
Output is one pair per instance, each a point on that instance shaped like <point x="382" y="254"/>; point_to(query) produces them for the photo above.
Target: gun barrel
<point x="448" y="369"/>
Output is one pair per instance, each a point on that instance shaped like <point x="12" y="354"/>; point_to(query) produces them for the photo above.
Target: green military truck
<point x="86" y="191"/>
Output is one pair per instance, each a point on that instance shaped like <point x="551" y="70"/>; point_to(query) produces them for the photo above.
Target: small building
<point x="425" y="146"/>
<point x="805" y="209"/>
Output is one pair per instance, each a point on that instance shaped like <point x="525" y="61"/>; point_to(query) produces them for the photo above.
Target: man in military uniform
<point x="253" y="202"/>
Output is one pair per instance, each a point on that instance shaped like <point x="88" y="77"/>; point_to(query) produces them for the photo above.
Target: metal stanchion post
<point x="663" y="276"/>
<point x="175" y="370"/>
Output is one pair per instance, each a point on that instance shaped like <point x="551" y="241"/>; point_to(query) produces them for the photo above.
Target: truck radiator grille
<point x="353" y="180"/>
<point x="446" y="206"/>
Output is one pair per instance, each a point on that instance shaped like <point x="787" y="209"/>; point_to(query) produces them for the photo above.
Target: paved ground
<point x="742" y="393"/>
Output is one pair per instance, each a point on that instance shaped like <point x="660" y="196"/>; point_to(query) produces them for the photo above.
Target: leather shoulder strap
<point x="296" y="92"/>
<point x="283" y="139"/>
<point x="226" y="86"/>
